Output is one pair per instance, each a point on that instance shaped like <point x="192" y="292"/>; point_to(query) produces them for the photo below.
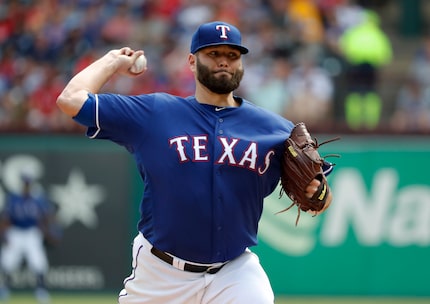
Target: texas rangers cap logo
<point x="224" y="29"/>
<point x="217" y="33"/>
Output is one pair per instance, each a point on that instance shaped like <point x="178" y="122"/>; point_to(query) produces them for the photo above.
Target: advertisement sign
<point x="375" y="237"/>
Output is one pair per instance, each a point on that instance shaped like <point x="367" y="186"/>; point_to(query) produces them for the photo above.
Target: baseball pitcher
<point x="206" y="161"/>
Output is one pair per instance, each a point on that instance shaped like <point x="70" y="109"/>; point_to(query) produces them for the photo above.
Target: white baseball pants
<point x="241" y="281"/>
<point x="24" y="244"/>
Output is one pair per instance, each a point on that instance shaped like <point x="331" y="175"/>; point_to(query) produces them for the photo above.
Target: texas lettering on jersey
<point x="247" y="159"/>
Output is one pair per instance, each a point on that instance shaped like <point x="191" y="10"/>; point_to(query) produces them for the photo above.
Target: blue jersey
<point x="25" y="211"/>
<point x="205" y="169"/>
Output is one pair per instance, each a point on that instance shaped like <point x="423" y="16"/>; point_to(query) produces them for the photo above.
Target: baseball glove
<point x="301" y="164"/>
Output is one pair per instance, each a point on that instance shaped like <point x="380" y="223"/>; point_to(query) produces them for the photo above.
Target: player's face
<point x="219" y="69"/>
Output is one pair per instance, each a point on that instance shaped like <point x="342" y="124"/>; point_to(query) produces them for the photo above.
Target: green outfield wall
<point x="373" y="240"/>
<point x="91" y="184"/>
<point x="375" y="237"/>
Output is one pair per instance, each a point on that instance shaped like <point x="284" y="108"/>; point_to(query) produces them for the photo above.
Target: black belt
<point x="187" y="266"/>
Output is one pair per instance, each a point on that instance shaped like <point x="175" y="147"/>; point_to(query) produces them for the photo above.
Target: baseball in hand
<point x="139" y="65"/>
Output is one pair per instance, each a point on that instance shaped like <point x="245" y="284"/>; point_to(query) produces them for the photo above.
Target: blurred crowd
<point x="315" y="61"/>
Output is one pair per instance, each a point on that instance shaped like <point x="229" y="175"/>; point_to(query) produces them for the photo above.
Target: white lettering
<point x="261" y="169"/>
<point x="179" y="142"/>
<point x="250" y="155"/>
<point x="199" y="147"/>
<point x="224" y="29"/>
<point x="410" y="223"/>
<point x="368" y="216"/>
<point x="75" y="277"/>
<point x="228" y="150"/>
<point x="249" y="159"/>
<point x="19" y="164"/>
<point x="63" y="277"/>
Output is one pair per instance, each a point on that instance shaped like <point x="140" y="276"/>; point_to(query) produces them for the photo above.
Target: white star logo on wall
<point x="77" y="200"/>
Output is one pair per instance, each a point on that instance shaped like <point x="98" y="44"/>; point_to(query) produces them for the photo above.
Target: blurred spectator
<point x="228" y="11"/>
<point x="42" y="109"/>
<point x="420" y="63"/>
<point x="310" y="90"/>
<point x="339" y="16"/>
<point x="348" y="14"/>
<point x="36" y="34"/>
<point x="119" y="28"/>
<point x="412" y="112"/>
<point x="272" y="93"/>
<point x="13" y="106"/>
<point x="366" y="48"/>
<point x="305" y="18"/>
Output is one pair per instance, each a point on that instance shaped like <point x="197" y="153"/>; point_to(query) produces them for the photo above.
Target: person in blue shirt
<point x="206" y="161"/>
<point x="24" y="223"/>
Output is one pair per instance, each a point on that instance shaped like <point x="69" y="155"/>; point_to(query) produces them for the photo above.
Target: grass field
<point x="345" y="300"/>
<point x="58" y="298"/>
<point x="28" y="298"/>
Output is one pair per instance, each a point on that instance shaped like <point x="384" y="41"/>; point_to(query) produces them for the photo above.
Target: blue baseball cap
<point x="217" y="33"/>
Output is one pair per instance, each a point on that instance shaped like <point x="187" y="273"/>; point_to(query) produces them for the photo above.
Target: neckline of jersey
<point x="214" y="108"/>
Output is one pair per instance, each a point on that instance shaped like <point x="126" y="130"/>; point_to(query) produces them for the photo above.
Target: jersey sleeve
<point x="116" y="117"/>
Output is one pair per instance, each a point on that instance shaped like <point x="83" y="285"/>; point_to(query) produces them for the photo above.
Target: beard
<point x="218" y="85"/>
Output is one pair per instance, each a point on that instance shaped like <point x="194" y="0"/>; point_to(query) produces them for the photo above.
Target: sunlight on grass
<point x="111" y="298"/>
<point x="348" y="300"/>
